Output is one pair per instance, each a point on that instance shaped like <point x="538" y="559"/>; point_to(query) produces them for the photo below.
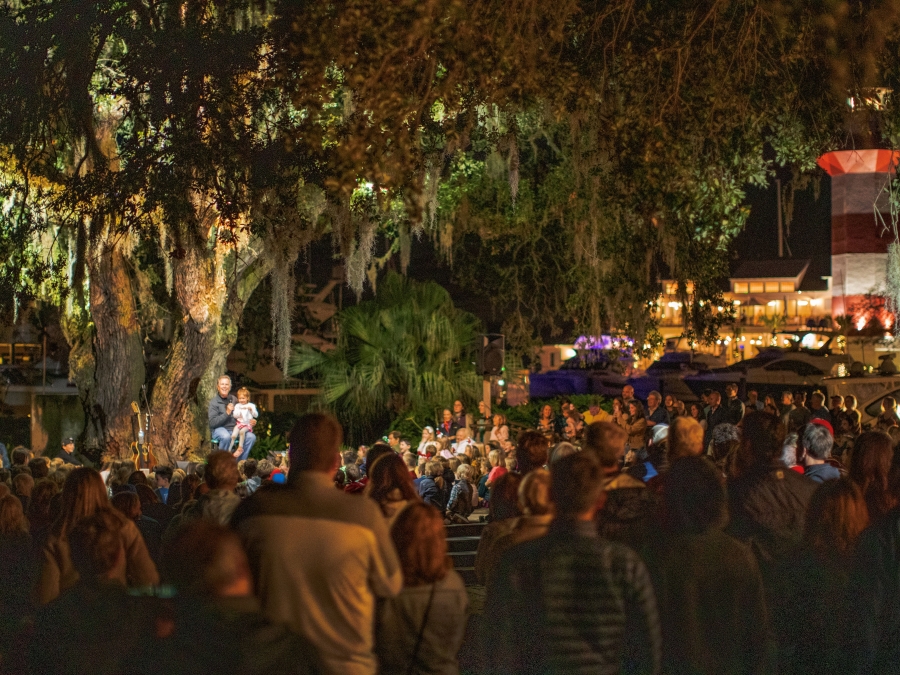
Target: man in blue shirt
<point x="163" y="479"/>
<point x="817" y="443"/>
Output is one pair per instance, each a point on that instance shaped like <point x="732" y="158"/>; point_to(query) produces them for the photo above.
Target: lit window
<point x="741" y="288"/>
<point x="771" y="287"/>
<point x="787" y="286"/>
<point x="756" y="287"/>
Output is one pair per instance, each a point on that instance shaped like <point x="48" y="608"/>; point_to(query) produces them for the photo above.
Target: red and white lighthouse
<point x="859" y="182"/>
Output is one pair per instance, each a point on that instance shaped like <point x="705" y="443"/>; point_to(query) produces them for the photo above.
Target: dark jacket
<point x="768" y="511"/>
<point x="69" y="458"/>
<point x="430" y="493"/>
<point x="822" y="414"/>
<point x="735" y="410"/>
<point x="449" y="479"/>
<point x="18" y="570"/>
<point x="572" y="602"/>
<point x="810" y="614"/>
<point x="711" y="604"/>
<point x="227" y="635"/>
<point x="217" y="415"/>
<point x="629" y="510"/>
<point x="400" y="620"/>
<point x="72" y="634"/>
<point x="875" y="597"/>
<point x="821" y="472"/>
<point x="720" y="415"/>
<point x="151" y="530"/>
<point x="461" y="498"/>
<point x="659" y="416"/>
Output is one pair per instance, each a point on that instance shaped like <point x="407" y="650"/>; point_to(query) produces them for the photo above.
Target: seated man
<point x="221" y="420"/>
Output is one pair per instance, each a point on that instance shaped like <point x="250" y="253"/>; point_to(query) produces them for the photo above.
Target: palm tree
<point x="406" y="353"/>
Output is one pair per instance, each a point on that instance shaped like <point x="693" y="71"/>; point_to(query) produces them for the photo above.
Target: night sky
<point x="810" y="235"/>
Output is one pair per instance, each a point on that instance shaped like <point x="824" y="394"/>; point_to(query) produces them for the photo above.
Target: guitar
<point x="141" y="452"/>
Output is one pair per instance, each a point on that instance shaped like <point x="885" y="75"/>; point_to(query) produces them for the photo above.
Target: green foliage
<point x="564" y="156"/>
<point x="272" y="429"/>
<point x="406" y="353"/>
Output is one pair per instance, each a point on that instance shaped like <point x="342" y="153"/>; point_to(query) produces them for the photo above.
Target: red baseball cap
<point x="823" y="423"/>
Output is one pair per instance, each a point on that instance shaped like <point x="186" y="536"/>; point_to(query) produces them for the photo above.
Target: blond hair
<point x="685" y="438"/>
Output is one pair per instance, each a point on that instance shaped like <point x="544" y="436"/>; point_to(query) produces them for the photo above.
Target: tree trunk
<point x="212" y="309"/>
<point x="108" y="359"/>
<point x="118" y="350"/>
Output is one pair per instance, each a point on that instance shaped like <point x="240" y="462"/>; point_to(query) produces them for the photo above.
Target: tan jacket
<point x="636" y="431"/>
<point x="58" y="574"/>
<point x="321" y="557"/>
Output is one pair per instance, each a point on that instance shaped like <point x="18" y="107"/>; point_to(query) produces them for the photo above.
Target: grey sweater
<point x="217" y="415"/>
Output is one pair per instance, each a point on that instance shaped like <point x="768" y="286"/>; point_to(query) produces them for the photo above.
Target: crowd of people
<point x="644" y="542"/>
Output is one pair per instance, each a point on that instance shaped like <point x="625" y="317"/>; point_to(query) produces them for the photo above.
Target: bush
<point x="271" y="430"/>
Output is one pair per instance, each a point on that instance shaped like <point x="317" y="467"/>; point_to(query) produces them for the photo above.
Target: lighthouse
<point x="860" y="180"/>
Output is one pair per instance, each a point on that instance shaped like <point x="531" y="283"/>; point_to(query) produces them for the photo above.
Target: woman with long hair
<point x="870" y="468"/>
<point x="636" y="427"/>
<point x="697" y="414"/>
<point x="809" y="609"/>
<point x="421" y="630"/>
<point x="427" y="444"/>
<point x="537" y="514"/>
<point x="500" y="431"/>
<point x="546" y="423"/>
<point x="503" y="512"/>
<point x="17" y="569"/>
<point x="84" y="495"/>
<point x="391" y="486"/>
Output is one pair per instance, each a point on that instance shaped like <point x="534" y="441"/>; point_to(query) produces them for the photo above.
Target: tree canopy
<point x="159" y="158"/>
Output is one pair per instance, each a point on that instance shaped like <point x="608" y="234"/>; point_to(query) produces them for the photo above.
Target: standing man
<point x="627" y="395"/>
<point x="817" y="409"/>
<point x="67" y="453"/>
<point x="734" y="405"/>
<point x="321" y="557"/>
<point x="571" y="601"/>
<point x="837" y="410"/>
<point x="221" y="421"/>
<point x="800" y="415"/>
<point x="718" y="414"/>
<point x="656" y="413"/>
<point x="753" y="402"/>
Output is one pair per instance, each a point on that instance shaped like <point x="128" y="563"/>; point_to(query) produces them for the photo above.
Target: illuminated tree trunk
<point x="212" y="304"/>
<point x="107" y="360"/>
